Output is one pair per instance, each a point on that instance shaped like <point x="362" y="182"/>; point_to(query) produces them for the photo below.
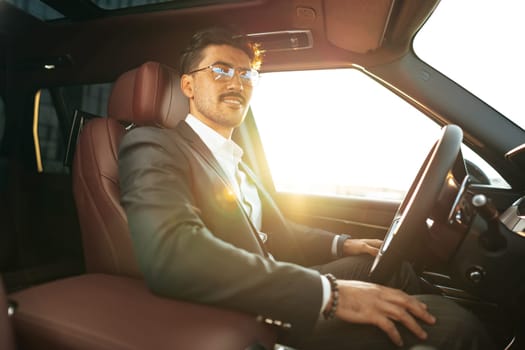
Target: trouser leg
<point x="358" y="267"/>
<point x="456" y="328"/>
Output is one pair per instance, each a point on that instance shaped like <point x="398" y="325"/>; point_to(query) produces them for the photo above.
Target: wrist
<point x="340" y="244"/>
<point x="331" y="307"/>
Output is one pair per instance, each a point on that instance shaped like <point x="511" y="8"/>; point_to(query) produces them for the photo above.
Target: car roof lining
<point x="172" y="28"/>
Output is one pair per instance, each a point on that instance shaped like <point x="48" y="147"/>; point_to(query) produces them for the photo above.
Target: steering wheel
<point x="416" y="207"/>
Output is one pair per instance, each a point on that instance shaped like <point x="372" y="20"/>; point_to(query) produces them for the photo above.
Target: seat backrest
<point x="147" y="95"/>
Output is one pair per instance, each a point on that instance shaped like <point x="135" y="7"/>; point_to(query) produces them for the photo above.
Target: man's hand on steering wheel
<point x="401" y="238"/>
<point x="361" y="246"/>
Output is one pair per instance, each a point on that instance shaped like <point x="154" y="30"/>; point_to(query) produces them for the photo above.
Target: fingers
<point x="409" y="303"/>
<point x="363" y="302"/>
<point x="391" y="331"/>
<point x="404" y="317"/>
<point x="405" y="309"/>
<point x="387" y="325"/>
<point x="419" y="310"/>
<point x="376" y="243"/>
<point x="362" y="246"/>
<point x="371" y="250"/>
<point x="371" y="246"/>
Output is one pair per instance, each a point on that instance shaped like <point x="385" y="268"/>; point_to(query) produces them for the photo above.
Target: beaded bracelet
<point x="330" y="313"/>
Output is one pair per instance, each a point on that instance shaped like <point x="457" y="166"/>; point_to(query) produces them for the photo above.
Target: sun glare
<point x="324" y="131"/>
<point x="488" y="58"/>
<point x="339" y="132"/>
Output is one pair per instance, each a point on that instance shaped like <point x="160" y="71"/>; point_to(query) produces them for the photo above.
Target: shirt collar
<point x="218" y="144"/>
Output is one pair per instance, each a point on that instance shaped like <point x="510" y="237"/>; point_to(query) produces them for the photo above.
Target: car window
<point x="476" y="44"/>
<point x="37" y="8"/>
<point x="339" y="132"/>
<point x="92" y="98"/>
<point x="51" y="141"/>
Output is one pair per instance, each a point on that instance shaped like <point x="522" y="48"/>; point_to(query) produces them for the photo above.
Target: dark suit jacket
<point x="194" y="242"/>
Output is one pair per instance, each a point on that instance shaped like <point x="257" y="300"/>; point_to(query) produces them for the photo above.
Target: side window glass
<point x="52" y="136"/>
<point x="51" y="140"/>
<point x="338" y="132"/>
<point x="91" y="98"/>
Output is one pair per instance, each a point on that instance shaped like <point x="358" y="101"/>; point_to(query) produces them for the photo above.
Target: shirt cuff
<point x="334" y="246"/>
<point x="327" y="290"/>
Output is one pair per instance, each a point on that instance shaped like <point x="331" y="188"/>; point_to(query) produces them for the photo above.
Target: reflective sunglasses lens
<point x="222" y="72"/>
<point x="250" y="76"/>
<point x="256" y="77"/>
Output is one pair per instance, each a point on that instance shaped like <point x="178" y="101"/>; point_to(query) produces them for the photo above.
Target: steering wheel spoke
<point x="403" y="239"/>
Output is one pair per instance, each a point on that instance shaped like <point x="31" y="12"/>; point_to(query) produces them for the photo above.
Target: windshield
<point x="486" y="39"/>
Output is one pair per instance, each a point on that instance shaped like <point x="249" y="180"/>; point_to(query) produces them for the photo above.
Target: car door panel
<point x="366" y="218"/>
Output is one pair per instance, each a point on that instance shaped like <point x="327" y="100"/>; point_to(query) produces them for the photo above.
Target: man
<point x="206" y="231"/>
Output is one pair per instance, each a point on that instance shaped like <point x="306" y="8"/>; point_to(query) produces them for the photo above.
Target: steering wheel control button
<point x="475" y="274"/>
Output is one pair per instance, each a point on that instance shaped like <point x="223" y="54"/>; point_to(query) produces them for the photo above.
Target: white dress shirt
<point x="229" y="154"/>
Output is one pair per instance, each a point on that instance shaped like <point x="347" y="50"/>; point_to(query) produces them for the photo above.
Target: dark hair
<point x="192" y="55"/>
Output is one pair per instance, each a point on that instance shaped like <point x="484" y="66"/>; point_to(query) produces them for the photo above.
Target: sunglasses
<point x="223" y="72"/>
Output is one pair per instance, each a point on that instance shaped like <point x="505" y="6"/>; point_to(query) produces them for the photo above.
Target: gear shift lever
<point x="492" y="239"/>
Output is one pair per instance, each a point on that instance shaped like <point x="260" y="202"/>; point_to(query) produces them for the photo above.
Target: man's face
<point x="219" y="103"/>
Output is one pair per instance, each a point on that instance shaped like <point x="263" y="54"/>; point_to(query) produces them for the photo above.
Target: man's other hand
<point x="368" y="303"/>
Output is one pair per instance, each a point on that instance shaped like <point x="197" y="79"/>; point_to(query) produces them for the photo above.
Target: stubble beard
<point x="224" y="117"/>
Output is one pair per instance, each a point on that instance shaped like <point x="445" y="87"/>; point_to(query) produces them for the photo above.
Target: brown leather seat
<point x="115" y="309"/>
<point x="147" y="95"/>
<point x="97" y="311"/>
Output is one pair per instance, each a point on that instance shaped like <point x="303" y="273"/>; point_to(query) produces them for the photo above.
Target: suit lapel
<point x="271" y="208"/>
<point x="195" y="142"/>
<point x="273" y="219"/>
<point x="198" y="145"/>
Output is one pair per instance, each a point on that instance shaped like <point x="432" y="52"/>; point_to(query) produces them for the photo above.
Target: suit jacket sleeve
<point x="182" y="258"/>
<point x="316" y="243"/>
<point x="289" y="241"/>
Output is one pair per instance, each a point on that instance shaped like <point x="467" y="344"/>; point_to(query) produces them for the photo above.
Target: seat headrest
<point x="148" y="95"/>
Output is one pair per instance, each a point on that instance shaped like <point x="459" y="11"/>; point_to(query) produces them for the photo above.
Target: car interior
<point x="76" y="75"/>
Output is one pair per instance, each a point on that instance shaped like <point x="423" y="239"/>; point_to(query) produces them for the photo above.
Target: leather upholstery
<point x="147" y="95"/>
<point x="111" y="311"/>
<point x="105" y="236"/>
<point x="98" y="311"/>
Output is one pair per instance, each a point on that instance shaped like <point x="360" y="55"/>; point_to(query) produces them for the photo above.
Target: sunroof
<point x="119" y="4"/>
<point x="89" y="9"/>
<point x="37" y="8"/>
